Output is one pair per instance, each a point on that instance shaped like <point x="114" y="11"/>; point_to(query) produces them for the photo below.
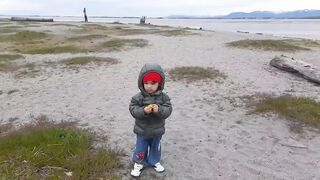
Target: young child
<point x="150" y="107"/>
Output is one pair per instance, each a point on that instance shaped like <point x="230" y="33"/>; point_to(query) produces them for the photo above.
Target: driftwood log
<point x="32" y="19"/>
<point x="298" y="67"/>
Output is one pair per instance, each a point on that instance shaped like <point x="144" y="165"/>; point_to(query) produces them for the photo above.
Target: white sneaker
<point x="136" y="171"/>
<point x="158" y="167"/>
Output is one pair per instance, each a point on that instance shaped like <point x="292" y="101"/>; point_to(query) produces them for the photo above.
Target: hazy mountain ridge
<point x="299" y="14"/>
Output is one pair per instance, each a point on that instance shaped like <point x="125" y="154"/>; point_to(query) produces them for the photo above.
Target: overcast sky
<point x="151" y="8"/>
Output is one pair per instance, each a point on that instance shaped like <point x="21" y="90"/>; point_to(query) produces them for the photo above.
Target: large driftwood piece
<point x="298" y="67"/>
<point x="31" y="19"/>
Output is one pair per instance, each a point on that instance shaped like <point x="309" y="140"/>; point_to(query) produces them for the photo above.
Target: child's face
<point x="151" y="86"/>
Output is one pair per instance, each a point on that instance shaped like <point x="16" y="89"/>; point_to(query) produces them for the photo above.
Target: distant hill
<point x="299" y="14"/>
<point x="268" y="14"/>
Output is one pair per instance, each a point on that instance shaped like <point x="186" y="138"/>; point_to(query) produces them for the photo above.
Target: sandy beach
<point x="210" y="134"/>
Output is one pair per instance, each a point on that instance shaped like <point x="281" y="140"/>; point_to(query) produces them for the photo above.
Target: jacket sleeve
<point x="135" y="109"/>
<point x="165" y="109"/>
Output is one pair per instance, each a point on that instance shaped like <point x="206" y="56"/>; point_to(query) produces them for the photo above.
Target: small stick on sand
<point x="303" y="147"/>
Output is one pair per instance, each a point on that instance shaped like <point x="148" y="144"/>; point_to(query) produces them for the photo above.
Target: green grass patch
<point x="303" y="42"/>
<point x="128" y="31"/>
<point x="168" y="33"/>
<point x="5" y="23"/>
<point x="298" y="109"/>
<point x="88" y="59"/>
<point x="48" y="150"/>
<point x="61" y="24"/>
<point x="9" y="57"/>
<point x="195" y="73"/>
<point x="163" y="32"/>
<point x="53" y="50"/>
<point x="17" y="68"/>
<point x="8" y="30"/>
<point x="27" y="70"/>
<point x="87" y="37"/>
<point x="104" y="30"/>
<point x="24" y="37"/>
<point x="271" y="45"/>
<point x="118" y="44"/>
<point x="91" y="29"/>
<point x="154" y="26"/>
<point x="125" y="30"/>
<point x="97" y="40"/>
<point x="29" y="42"/>
<point x="175" y="32"/>
<point x="5" y="67"/>
<point x="14" y="27"/>
<point x="6" y="64"/>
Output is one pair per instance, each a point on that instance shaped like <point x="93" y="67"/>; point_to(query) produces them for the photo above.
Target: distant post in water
<point x="143" y="20"/>
<point x="85" y="15"/>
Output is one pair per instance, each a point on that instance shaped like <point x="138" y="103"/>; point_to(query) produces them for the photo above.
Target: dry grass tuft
<point x="275" y="45"/>
<point x="194" y="73"/>
<point x="119" y="44"/>
<point x="299" y="110"/>
<point x="44" y="149"/>
<point x="88" y="59"/>
<point x="9" y="57"/>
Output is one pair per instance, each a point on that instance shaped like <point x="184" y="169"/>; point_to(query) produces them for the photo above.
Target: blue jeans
<point x="147" y="151"/>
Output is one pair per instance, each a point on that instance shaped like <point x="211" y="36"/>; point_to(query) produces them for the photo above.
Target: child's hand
<point x="155" y="108"/>
<point x="147" y="109"/>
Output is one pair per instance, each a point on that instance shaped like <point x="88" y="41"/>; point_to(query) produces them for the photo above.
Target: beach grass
<point x="23" y="70"/>
<point x="299" y="110"/>
<point x="31" y="42"/>
<point x="119" y="44"/>
<point x="9" y="57"/>
<point x="5" y="67"/>
<point x="14" y="27"/>
<point x="8" y="30"/>
<point x="304" y="42"/>
<point x="87" y="37"/>
<point x="6" y="64"/>
<point x="125" y="31"/>
<point x="176" y="32"/>
<point x="271" y="45"/>
<point x="27" y="70"/>
<point x="113" y="30"/>
<point x="91" y="29"/>
<point x="62" y="24"/>
<point x="154" y="26"/>
<point x="168" y="33"/>
<point x="128" y="31"/>
<point x="53" y="50"/>
<point x="4" y="23"/>
<point x="194" y="73"/>
<point x="19" y="69"/>
<point x="24" y="37"/>
<point x="88" y="59"/>
<point x="45" y="149"/>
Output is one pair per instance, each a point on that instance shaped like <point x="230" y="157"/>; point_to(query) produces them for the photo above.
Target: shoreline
<point x="196" y="24"/>
<point x="210" y="134"/>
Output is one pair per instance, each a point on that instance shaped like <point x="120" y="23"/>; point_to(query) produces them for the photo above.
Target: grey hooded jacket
<point x="150" y="125"/>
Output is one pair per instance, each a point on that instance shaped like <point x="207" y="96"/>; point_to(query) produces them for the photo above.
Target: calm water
<point x="301" y="28"/>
